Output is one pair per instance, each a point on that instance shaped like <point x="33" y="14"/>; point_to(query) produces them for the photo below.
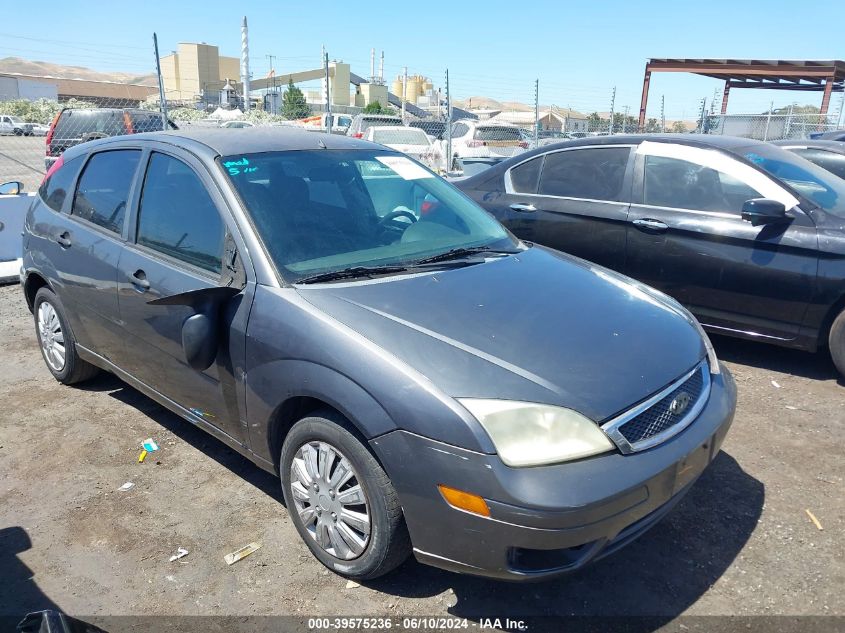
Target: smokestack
<point x="381" y="68"/>
<point x="372" y="64"/>
<point x="245" y="63"/>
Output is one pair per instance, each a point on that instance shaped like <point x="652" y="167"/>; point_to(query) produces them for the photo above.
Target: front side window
<point x="682" y="184"/>
<point x="177" y="216"/>
<point x="103" y="189"/>
<point x="593" y="174"/>
<point x="330" y="210"/>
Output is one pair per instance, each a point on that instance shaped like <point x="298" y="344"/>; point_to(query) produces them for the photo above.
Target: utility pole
<point x="404" y="90"/>
<point x="768" y="121"/>
<point x="161" y="97"/>
<point x="625" y="121"/>
<point x="272" y="70"/>
<point x="701" y="115"/>
<point x="536" y="113"/>
<point x="663" y="113"/>
<point x="245" y="63"/>
<point x="328" y="96"/>
<point x="612" y="104"/>
<point x="448" y="156"/>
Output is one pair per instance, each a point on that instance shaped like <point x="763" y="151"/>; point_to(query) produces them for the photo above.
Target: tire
<point x="387" y="545"/>
<point x="51" y="328"/>
<point x="836" y="342"/>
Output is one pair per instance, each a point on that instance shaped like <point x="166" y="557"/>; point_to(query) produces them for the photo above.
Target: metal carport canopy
<point x="777" y="74"/>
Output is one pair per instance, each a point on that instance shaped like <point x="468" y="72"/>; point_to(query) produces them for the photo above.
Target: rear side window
<point x="103" y="188"/>
<point x="459" y="129"/>
<point x="177" y="216"/>
<point x="54" y="189"/>
<point x="145" y="122"/>
<point x="594" y="174"/>
<point x="524" y="177"/>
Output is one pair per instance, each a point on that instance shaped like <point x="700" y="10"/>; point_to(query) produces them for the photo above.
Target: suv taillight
<point x="358" y="135"/>
<point x="127" y="123"/>
<point x="49" y="138"/>
<point x="523" y="144"/>
<point x="54" y="168"/>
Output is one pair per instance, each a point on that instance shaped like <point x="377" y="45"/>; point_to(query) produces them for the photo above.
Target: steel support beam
<point x="725" y="93"/>
<point x="644" y="98"/>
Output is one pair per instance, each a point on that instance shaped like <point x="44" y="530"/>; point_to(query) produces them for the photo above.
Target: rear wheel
<point x="341" y="500"/>
<point x="836" y="342"/>
<point x="58" y="345"/>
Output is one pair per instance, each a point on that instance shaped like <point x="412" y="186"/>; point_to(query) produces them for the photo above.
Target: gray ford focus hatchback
<point x="420" y="380"/>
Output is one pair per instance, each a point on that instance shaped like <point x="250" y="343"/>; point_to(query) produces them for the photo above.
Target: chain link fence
<point x="452" y="135"/>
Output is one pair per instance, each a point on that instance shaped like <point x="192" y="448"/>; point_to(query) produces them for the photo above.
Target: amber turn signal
<point x="464" y="500"/>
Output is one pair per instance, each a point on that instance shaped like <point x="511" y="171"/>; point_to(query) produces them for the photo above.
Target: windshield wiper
<point x="351" y="273"/>
<point x="465" y="251"/>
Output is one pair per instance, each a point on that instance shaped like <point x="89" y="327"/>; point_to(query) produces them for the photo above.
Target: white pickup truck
<point x="10" y="124"/>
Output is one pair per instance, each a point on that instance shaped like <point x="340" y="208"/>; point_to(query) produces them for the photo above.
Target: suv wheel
<point x="836" y="342"/>
<point x="56" y="340"/>
<point x="341" y="500"/>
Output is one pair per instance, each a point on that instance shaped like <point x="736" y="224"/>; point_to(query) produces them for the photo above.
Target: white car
<point x="481" y="140"/>
<point x="236" y="124"/>
<point x="39" y="129"/>
<point x="409" y="140"/>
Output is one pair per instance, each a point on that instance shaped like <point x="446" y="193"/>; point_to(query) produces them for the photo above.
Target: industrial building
<point x="20" y="86"/>
<point x="197" y="72"/>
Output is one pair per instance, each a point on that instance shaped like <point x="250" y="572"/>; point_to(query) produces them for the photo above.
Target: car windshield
<point x="497" y="134"/>
<point x="323" y="211"/>
<point x="16" y="119"/>
<point x="406" y="136"/>
<point x="811" y="181"/>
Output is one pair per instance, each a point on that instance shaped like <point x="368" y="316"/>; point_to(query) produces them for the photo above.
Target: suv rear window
<point x="145" y="122"/>
<point x="77" y="123"/>
<point x="497" y="134"/>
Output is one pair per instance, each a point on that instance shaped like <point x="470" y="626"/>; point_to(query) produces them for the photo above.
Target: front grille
<point x="658" y="417"/>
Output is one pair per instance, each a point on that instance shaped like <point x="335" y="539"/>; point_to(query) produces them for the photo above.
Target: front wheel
<point x="341" y="500"/>
<point x="836" y="342"/>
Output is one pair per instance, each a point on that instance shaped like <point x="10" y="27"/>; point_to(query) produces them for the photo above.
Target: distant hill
<point x="47" y="69"/>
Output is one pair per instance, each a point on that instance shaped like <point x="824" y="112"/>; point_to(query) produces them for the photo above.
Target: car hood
<point x="538" y="326"/>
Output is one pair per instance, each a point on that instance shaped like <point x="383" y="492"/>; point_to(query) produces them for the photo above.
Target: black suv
<point x="73" y="126"/>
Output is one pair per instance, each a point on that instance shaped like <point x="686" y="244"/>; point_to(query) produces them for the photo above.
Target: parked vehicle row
<point x="351" y="322"/>
<point x="748" y="236"/>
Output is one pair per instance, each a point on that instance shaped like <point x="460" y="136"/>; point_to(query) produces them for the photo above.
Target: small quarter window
<point x="524" y="177"/>
<point x="54" y="189"/>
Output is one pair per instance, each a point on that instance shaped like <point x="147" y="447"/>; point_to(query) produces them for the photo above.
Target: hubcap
<point x="329" y="500"/>
<point x="51" y="336"/>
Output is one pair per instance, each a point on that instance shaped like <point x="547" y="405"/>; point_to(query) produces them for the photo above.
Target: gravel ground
<point x="740" y="543"/>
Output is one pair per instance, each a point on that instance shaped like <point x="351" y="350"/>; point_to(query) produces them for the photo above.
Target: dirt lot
<point x="740" y="543"/>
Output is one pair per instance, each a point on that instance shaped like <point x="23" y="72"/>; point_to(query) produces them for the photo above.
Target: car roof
<point x="250" y="140"/>
<point x="833" y="146"/>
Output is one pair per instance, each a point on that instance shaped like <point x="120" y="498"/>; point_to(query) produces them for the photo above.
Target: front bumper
<point x="547" y="520"/>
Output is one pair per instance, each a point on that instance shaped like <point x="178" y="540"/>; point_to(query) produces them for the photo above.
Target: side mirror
<point x="11" y="188"/>
<point x="763" y="211"/>
<point x="201" y="330"/>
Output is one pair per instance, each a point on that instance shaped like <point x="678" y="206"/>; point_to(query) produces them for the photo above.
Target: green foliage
<point x="294" y="105"/>
<point x="185" y="114"/>
<point x="260" y="117"/>
<point x="40" y="110"/>
<point x="374" y="107"/>
<point x="678" y="127"/>
<point x="652" y="126"/>
<point x="796" y="109"/>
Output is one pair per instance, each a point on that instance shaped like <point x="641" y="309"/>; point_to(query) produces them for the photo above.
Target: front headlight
<point x="530" y="434"/>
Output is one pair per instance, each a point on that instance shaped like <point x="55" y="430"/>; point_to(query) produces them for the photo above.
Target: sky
<point x="579" y="51"/>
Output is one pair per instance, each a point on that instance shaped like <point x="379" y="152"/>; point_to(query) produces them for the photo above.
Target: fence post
<point x="161" y="98"/>
<point x="768" y="121"/>
<point x="612" y="103"/>
<point x="536" y="113"/>
<point x="663" y="113"/>
<point x="448" y="126"/>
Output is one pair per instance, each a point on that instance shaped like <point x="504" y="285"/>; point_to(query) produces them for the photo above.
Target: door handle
<point x="63" y="240"/>
<point x="653" y="226"/>
<point x="523" y="208"/>
<point x="139" y="280"/>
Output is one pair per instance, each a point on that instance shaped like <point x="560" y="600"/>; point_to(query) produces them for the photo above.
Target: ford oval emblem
<point x="679" y="403"/>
